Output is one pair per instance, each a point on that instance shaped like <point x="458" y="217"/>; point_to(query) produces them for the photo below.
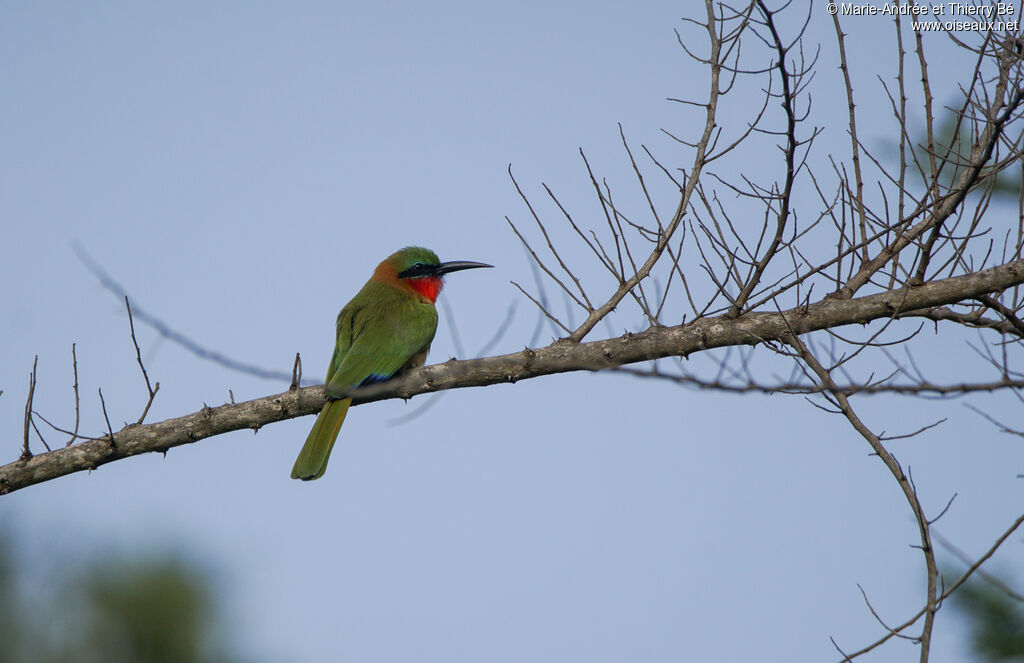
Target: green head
<point x="415" y="262"/>
<point x="406" y="258"/>
<point x="421" y="270"/>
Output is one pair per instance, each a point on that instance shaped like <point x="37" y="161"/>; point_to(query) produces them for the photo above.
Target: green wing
<point x="376" y="339"/>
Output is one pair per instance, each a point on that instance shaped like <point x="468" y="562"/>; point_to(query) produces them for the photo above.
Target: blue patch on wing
<point x="373" y="378"/>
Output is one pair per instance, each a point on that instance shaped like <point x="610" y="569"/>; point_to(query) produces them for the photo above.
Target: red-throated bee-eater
<point x="386" y="329"/>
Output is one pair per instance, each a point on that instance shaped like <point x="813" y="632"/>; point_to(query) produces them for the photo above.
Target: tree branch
<point x="559" y="357"/>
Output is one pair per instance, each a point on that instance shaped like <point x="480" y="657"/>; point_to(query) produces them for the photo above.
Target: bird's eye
<point x="416" y="270"/>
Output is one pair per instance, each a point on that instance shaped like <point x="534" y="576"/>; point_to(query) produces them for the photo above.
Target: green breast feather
<point x="374" y="342"/>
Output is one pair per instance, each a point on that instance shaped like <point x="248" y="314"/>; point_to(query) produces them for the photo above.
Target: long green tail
<point x="312" y="460"/>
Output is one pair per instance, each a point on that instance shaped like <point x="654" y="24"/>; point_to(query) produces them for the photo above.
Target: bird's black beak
<point x="458" y="265"/>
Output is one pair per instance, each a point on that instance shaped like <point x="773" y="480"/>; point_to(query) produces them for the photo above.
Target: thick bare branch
<point x="559" y="357"/>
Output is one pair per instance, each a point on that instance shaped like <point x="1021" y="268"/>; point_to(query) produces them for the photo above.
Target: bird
<point x="385" y="330"/>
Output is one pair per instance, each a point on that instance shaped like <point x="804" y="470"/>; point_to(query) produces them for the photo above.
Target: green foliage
<point x="149" y="612"/>
<point x="110" y="609"/>
<point x="953" y="146"/>
<point x="10" y="643"/>
<point x="997" y="621"/>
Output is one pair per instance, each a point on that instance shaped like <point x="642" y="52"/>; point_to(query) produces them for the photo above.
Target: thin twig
<point x="25" y="452"/>
<point x="138" y="357"/>
<point x="296" y="374"/>
<point x="74" y="368"/>
<point x="110" y="430"/>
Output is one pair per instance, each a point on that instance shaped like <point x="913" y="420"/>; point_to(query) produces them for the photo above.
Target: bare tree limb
<point x="559" y="357"/>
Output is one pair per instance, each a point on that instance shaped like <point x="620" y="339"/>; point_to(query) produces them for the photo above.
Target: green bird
<point x="386" y="329"/>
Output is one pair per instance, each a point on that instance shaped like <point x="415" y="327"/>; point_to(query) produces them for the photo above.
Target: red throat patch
<point x="429" y="287"/>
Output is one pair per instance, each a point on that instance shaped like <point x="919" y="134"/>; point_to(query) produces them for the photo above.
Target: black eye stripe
<point x="417" y="269"/>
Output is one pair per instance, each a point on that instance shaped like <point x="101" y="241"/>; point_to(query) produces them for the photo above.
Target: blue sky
<point x="241" y="168"/>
